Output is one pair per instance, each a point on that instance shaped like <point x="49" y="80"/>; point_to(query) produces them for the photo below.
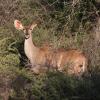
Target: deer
<point x="73" y="60"/>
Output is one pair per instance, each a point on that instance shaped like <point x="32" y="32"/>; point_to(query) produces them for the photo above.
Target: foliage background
<point x="64" y="23"/>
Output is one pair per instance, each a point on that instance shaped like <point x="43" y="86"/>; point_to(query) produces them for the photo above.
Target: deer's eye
<point x="23" y="29"/>
<point x="30" y="29"/>
<point x="81" y="66"/>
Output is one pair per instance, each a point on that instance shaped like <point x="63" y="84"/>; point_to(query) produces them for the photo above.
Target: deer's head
<point x="26" y="29"/>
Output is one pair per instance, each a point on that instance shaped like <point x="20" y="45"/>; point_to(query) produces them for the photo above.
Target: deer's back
<point x="63" y="57"/>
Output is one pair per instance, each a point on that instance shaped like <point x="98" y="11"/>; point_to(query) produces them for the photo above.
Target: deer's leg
<point x="39" y="69"/>
<point x="28" y="64"/>
<point x="35" y="69"/>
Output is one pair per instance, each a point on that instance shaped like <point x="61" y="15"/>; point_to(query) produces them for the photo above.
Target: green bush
<point x="64" y="23"/>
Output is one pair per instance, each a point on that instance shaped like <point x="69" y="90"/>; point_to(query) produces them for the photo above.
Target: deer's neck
<point x="30" y="49"/>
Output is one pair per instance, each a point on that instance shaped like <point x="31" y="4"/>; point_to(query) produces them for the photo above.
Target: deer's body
<point x="74" y="60"/>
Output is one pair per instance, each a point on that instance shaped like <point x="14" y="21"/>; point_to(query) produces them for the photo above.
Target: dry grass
<point x="66" y="26"/>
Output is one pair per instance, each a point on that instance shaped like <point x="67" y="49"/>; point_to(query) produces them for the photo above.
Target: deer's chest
<point x="29" y="50"/>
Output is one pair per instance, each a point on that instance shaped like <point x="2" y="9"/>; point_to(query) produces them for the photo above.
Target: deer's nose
<point x="27" y="36"/>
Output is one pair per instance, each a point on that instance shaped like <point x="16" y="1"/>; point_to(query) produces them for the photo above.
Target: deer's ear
<point x="33" y="26"/>
<point x="18" y="25"/>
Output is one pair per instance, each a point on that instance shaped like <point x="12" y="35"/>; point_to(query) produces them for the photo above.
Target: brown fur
<point x="72" y="61"/>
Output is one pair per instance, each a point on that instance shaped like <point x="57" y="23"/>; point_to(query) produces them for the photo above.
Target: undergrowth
<point x="66" y="24"/>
